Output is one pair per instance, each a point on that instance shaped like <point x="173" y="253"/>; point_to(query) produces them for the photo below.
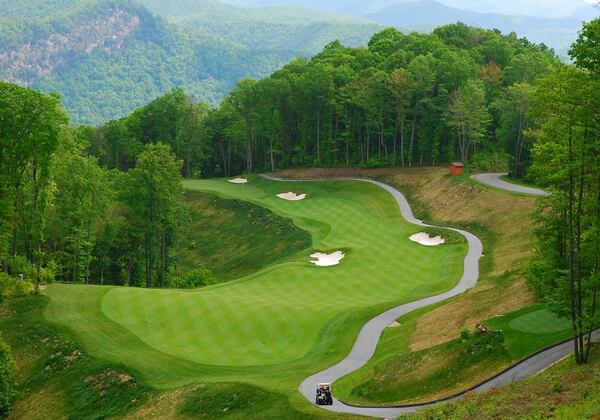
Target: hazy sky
<point x="542" y="8"/>
<point x="546" y="8"/>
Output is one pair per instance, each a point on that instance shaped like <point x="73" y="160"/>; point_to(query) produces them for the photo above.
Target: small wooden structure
<point x="456" y="168"/>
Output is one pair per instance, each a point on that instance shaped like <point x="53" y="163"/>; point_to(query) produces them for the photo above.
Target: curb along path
<point x="368" y="337"/>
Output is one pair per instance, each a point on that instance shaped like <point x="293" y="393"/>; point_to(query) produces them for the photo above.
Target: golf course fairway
<point x="279" y="325"/>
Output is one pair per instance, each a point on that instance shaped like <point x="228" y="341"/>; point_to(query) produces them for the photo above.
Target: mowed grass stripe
<point x="277" y="317"/>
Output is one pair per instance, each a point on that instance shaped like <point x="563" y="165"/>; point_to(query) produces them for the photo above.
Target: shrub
<point x="21" y="265"/>
<point x="7" y="378"/>
<point x="199" y="277"/>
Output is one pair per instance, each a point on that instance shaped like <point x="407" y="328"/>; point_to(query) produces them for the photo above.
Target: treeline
<point x="459" y="93"/>
<point x="64" y="216"/>
<point x="565" y="271"/>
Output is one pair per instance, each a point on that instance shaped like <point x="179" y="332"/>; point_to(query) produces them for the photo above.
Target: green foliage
<point x="565" y="269"/>
<point x="7" y="377"/>
<point x="586" y="50"/>
<point x="198" y="277"/>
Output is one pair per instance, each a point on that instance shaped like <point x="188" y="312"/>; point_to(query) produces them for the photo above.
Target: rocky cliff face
<point x="42" y="57"/>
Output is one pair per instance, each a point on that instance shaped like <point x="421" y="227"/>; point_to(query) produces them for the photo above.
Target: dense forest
<point x="103" y="204"/>
<point x="408" y="99"/>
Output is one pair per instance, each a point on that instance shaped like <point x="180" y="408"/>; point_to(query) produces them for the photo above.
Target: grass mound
<point x="432" y="372"/>
<point x="234" y="238"/>
<point x="237" y="401"/>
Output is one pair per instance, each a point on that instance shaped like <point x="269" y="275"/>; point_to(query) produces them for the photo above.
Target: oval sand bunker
<point x="424" y="239"/>
<point x="327" y="260"/>
<point x="238" y="181"/>
<point x="290" y="196"/>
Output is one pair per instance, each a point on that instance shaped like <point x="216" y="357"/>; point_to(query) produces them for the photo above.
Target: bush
<point x="21" y="265"/>
<point x="13" y="286"/>
<point x="7" y="378"/>
<point x="199" y="277"/>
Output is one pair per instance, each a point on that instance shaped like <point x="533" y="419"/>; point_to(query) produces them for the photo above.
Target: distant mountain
<point x="428" y="14"/>
<point x="424" y="15"/>
<point x="108" y="57"/>
<point x="289" y="29"/>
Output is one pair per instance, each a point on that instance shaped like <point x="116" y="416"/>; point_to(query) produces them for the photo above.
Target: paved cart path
<point x="495" y="181"/>
<point x="368" y="337"/>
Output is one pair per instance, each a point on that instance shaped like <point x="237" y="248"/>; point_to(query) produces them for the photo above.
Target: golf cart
<point x="324" y="394"/>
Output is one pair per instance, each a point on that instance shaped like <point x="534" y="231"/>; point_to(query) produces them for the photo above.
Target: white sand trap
<point x="424" y="239"/>
<point x="290" y="196"/>
<point x="239" y="181"/>
<point x="395" y="324"/>
<point x="327" y="260"/>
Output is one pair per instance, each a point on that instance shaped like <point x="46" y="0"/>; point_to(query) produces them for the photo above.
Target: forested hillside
<point x="108" y="57"/>
<point x="287" y="29"/>
<point x="459" y="93"/>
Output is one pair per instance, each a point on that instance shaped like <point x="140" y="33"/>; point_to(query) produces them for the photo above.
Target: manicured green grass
<point x="396" y="375"/>
<point x="282" y="323"/>
<point x="253" y="236"/>
<point x="530" y="329"/>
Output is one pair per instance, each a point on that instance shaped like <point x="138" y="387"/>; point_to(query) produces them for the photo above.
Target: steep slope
<point x="106" y="58"/>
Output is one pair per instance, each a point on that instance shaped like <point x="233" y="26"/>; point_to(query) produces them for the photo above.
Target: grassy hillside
<point x="252" y="237"/>
<point x="292" y="29"/>
<point x="564" y="391"/>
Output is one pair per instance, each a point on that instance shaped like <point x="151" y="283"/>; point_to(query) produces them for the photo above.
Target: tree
<point x="468" y="116"/>
<point x="30" y="129"/>
<point x="566" y="269"/>
<point x="586" y="50"/>
<point x="80" y="200"/>
<point x="400" y="91"/>
<point x="153" y="191"/>
<point x="513" y="125"/>
<point x="243" y="100"/>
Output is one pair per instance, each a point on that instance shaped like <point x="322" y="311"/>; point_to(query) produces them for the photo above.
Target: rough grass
<point x="57" y="379"/>
<point x="433" y="372"/>
<point x="565" y="391"/>
<point x="234" y="238"/>
<point x="400" y="374"/>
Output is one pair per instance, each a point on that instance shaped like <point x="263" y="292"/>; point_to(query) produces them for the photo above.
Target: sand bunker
<point x="290" y="196"/>
<point x="394" y="324"/>
<point x="327" y="260"/>
<point x="239" y="181"/>
<point x="424" y="239"/>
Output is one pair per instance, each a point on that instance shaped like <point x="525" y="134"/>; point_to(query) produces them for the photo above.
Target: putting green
<point x="292" y="317"/>
<point x="540" y="322"/>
